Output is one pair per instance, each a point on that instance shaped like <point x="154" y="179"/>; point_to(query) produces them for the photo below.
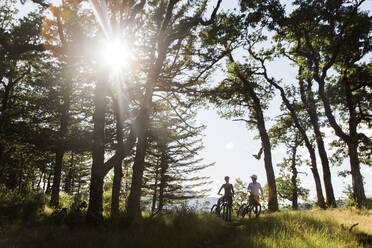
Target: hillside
<point x="313" y="228"/>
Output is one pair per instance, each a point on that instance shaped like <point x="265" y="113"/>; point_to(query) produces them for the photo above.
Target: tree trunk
<point x="163" y="181"/>
<point x="294" y="179"/>
<point x="357" y="179"/>
<point x="47" y="191"/>
<point x="70" y="176"/>
<point x="351" y="140"/>
<point x="308" y="144"/>
<point x="54" y="198"/>
<point x="118" y="174"/>
<point x="133" y="204"/>
<point x="94" y="214"/>
<point x="154" y="197"/>
<point x="270" y="175"/>
<point x="318" y="185"/>
<point x="310" y="104"/>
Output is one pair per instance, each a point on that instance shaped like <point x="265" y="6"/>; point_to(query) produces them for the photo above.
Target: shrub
<point x="24" y="206"/>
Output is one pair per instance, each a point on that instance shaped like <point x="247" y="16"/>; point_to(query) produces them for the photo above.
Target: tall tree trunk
<point x="270" y="176"/>
<point x="133" y="204"/>
<point x="118" y="175"/>
<point x="121" y="110"/>
<point x="54" y="198"/>
<point x="308" y="100"/>
<point x="294" y="178"/>
<point x="66" y="94"/>
<point x="70" y="175"/>
<point x="357" y="179"/>
<point x="351" y="140"/>
<point x="47" y="191"/>
<point x="94" y="214"/>
<point x="314" y="169"/>
<point x="260" y="120"/>
<point x="155" y="195"/>
<point x="118" y="170"/>
<point x="163" y="180"/>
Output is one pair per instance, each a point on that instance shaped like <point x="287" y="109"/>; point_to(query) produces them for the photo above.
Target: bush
<point x="24" y="206"/>
<point x="65" y="200"/>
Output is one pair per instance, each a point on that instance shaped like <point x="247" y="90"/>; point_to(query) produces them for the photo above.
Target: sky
<point x="230" y="144"/>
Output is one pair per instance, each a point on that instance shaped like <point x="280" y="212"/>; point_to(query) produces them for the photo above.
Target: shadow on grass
<point x="186" y="229"/>
<point x="181" y="229"/>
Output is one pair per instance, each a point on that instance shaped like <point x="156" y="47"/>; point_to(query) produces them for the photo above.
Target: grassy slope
<point x="186" y="229"/>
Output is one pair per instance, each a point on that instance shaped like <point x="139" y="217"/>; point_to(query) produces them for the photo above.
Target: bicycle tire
<point x="241" y="209"/>
<point x="224" y="212"/>
<point x="254" y="211"/>
<point x="229" y="212"/>
<point x="214" y="209"/>
<point x="257" y="210"/>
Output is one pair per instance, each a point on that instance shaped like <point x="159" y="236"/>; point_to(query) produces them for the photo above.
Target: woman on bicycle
<point x="254" y="188"/>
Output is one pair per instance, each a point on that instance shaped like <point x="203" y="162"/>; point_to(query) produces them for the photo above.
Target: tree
<point x="336" y="41"/>
<point x="173" y="26"/>
<point x="241" y="193"/>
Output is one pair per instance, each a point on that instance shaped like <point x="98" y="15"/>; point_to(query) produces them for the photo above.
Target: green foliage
<point x="16" y="206"/>
<point x="65" y="200"/>
<point x="241" y="193"/>
<point x="285" y="188"/>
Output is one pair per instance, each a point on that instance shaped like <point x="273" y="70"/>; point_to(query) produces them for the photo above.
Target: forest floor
<point x="308" y="228"/>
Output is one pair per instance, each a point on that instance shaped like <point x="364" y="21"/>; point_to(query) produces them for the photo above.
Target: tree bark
<point x="351" y="140"/>
<point x="70" y="176"/>
<point x="118" y="170"/>
<point x="270" y="175"/>
<point x="155" y="196"/>
<point x="294" y="179"/>
<point x="163" y="181"/>
<point x="118" y="175"/>
<point x="133" y="204"/>
<point x="94" y="214"/>
<point x="309" y="101"/>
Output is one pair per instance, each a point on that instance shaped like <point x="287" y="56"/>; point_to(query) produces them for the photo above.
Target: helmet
<point x="254" y="176"/>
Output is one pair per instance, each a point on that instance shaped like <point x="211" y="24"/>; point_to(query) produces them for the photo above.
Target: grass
<point x="313" y="228"/>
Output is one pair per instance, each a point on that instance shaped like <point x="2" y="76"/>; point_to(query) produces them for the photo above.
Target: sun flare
<point x="116" y="55"/>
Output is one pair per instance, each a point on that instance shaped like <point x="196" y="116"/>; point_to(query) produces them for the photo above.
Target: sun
<point x="116" y="55"/>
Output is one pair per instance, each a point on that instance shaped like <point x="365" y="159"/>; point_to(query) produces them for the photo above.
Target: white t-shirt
<point x="255" y="187"/>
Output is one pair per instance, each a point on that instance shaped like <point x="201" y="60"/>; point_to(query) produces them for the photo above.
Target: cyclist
<point x="228" y="194"/>
<point x="254" y="188"/>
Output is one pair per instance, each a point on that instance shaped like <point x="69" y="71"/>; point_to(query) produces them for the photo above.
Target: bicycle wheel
<point x="229" y="212"/>
<point x="224" y="212"/>
<point x="241" y="209"/>
<point x="250" y="211"/>
<point x="214" y="209"/>
<point x="245" y="211"/>
<point x="254" y="211"/>
<point x="257" y="210"/>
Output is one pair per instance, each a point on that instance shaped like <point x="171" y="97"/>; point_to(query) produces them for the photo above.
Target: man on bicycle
<point x="228" y="194"/>
<point x="254" y="188"/>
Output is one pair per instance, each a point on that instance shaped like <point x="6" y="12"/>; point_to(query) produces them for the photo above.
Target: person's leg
<point x="256" y="199"/>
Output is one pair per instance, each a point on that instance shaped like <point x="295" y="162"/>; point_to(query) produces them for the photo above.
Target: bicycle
<point x="226" y="209"/>
<point x="252" y="208"/>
